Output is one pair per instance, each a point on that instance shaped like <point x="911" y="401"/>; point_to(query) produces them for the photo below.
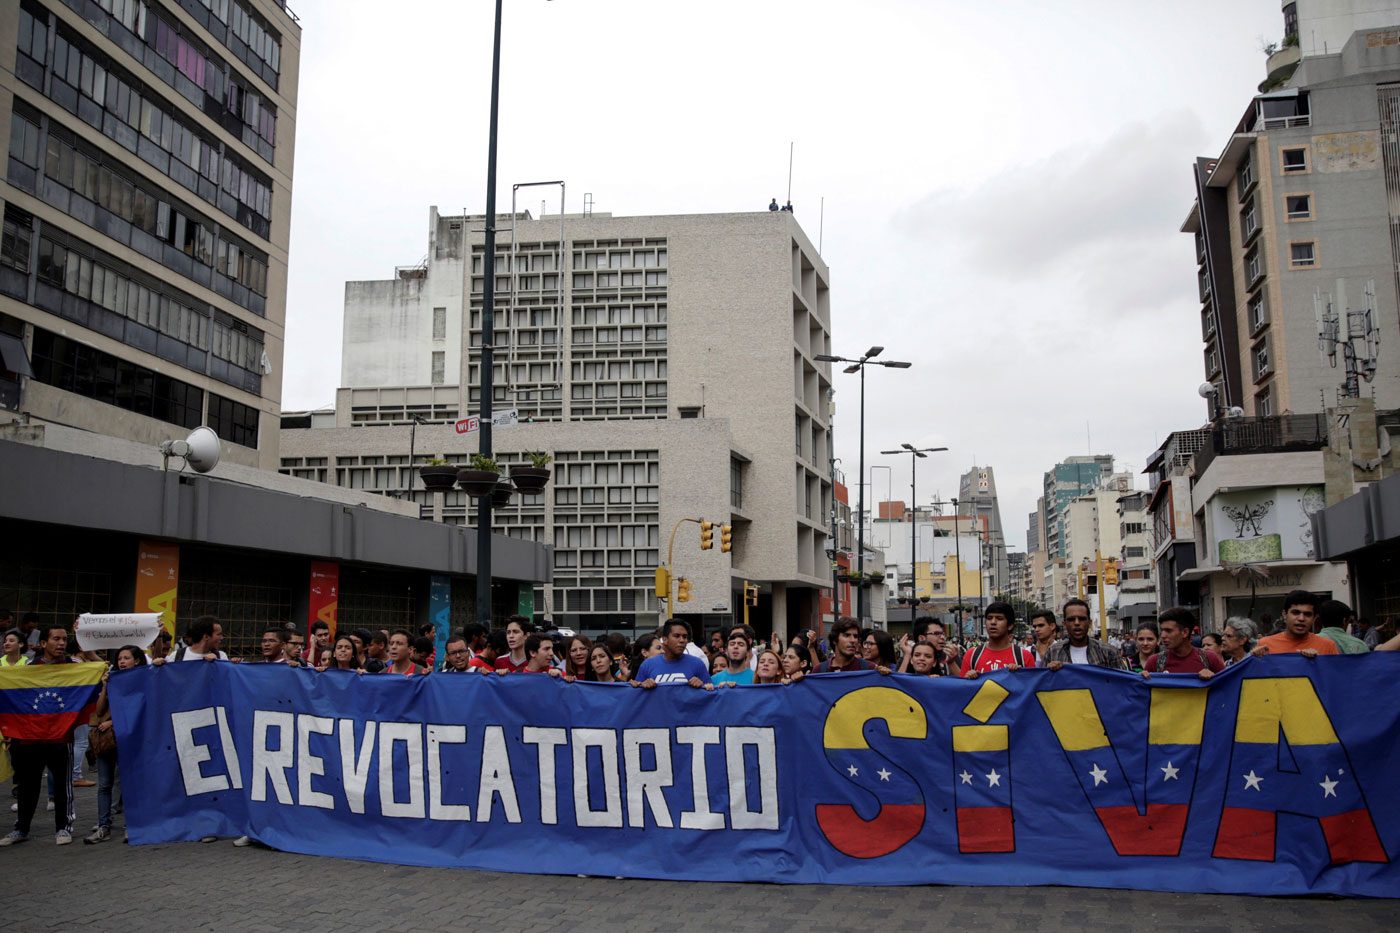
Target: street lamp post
<point x="957" y="556"/>
<point x="858" y="365"/>
<point x="915" y="455"/>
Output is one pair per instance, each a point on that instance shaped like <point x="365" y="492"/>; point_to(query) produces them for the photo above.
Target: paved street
<point x="190" y="886"/>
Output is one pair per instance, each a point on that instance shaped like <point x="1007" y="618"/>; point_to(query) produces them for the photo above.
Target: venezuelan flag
<point x="44" y="702"/>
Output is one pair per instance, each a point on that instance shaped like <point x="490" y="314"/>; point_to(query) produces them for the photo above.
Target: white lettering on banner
<point x="354" y="772"/>
<point x="647" y="783"/>
<point x="548" y="739"/>
<point x="761" y="737"/>
<point x="605" y="740"/>
<point x="496" y="778"/>
<point x="701" y="817"/>
<point x="192" y="754"/>
<point x="439" y="736"/>
<point x="625" y="778"/>
<point x="271" y="765"/>
<point x="309" y="765"/>
<point x="411" y="735"/>
<point x="235" y="771"/>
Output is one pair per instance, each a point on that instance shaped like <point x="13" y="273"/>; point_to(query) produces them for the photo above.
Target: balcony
<point x="1275" y="434"/>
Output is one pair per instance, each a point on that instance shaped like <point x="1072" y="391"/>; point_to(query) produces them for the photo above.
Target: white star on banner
<point x="1169" y="773"/>
<point x="853" y="771"/>
<point x="1329" y="786"/>
<point x="1251" y="780"/>
<point x="1099" y="774"/>
<point x="993" y="779"/>
<point x="966" y="778"/>
<point x="884" y="775"/>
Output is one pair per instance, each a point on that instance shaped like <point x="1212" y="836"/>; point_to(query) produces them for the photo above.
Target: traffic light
<point x="706" y="535"/>
<point x="751" y="594"/>
<point x="1091" y="582"/>
<point x="663" y="583"/>
<point x="1110" y="573"/>
<point x="683" y="592"/>
<point x="725" y="538"/>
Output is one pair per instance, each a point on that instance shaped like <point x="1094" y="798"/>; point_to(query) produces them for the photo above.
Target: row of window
<point x="620" y="314"/>
<point x="613" y="390"/>
<point x="250" y="29"/>
<point x="598" y="370"/>
<point x="84" y="173"/>
<point x="615" y="279"/>
<point x="115" y="93"/>
<point x="620" y="259"/>
<point x="587" y="335"/>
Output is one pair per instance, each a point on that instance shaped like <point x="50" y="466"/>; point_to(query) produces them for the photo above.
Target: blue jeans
<point x="80" y="747"/>
<point x="106" y="777"/>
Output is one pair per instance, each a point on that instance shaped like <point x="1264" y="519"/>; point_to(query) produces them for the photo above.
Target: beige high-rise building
<point x="666" y="364"/>
<point x="147" y="203"/>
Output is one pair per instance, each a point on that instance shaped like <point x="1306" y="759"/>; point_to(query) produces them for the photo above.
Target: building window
<point x="439" y="323"/>
<point x="439" y="364"/>
<point x="1260" y="355"/>
<point x="1249" y="220"/>
<point x="1212" y="361"/>
<point x="18" y="235"/>
<point x="1263" y="404"/>
<point x="233" y="422"/>
<point x="1253" y="265"/>
<point x="689" y="412"/>
<point x="1244" y="177"/>
<point x="1258" y="311"/>
<point x="1302" y="255"/>
<point x="736" y="484"/>
<point x="1299" y="206"/>
<point x="1293" y="161"/>
<point x="73" y="367"/>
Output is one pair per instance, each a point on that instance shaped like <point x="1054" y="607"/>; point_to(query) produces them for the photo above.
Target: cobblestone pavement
<point x="191" y="886"/>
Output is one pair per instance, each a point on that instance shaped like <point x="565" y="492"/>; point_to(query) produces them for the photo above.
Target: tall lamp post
<point x="915" y="455"/>
<point x="957" y="556"/>
<point x="858" y="366"/>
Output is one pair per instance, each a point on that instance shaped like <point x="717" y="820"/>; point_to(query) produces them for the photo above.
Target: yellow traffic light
<point x="706" y="535"/>
<point x="751" y="594"/>
<point x="725" y="538"/>
<point x="683" y="592"/>
<point x="1110" y="573"/>
<point x="663" y="583"/>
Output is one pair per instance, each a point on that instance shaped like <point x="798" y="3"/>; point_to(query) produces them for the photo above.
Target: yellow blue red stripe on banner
<point x="44" y="702"/>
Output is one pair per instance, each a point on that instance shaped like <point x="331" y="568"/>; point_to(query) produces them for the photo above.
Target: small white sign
<point x="102" y="632"/>
<point x="472" y="423"/>
<point x="720" y="607"/>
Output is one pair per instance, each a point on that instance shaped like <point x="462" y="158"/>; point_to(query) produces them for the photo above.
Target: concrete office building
<point x="977" y="496"/>
<point x="147" y="203"/>
<point x="1303" y="202"/>
<point x="666" y="363"/>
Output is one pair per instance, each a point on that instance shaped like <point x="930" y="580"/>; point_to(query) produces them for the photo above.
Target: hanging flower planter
<point x="852" y="578"/>
<point x="532" y="478"/>
<point x="480" y="477"/>
<point x="500" y="496"/>
<point x="438" y="474"/>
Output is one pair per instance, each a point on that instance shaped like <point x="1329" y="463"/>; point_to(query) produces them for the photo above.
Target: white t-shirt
<point x="695" y="651"/>
<point x="1078" y="655"/>
<point x="192" y="655"/>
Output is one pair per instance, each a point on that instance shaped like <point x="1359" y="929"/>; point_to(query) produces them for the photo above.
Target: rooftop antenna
<point x="791" y="146"/>
<point x="1360" y="343"/>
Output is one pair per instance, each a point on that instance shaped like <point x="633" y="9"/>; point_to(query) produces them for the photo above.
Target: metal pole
<point x="914" y="533"/>
<point x="488" y="337"/>
<point x="412" y="439"/>
<point x="860" y="533"/>
<point x="957" y="556"/>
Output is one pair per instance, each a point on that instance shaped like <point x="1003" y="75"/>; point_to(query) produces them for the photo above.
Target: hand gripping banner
<point x="1271" y="778"/>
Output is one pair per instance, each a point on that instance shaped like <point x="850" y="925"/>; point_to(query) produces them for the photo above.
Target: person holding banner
<point x="673" y="665"/>
<point x="342" y="656"/>
<point x="514" y="661"/>
<point x="601" y="666"/>
<point x="495" y="646"/>
<point x="797" y="661"/>
<point x="104" y="746"/>
<point x="41" y="731"/>
<point x="401" y="654"/>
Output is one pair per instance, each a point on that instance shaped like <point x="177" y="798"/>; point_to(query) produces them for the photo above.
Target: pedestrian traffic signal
<point x="663" y="583"/>
<point x="706" y="535"/>
<point x="751" y="595"/>
<point x="1110" y="573"/>
<point x="725" y="538"/>
<point x="683" y="591"/>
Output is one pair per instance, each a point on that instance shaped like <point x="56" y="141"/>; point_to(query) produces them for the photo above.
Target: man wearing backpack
<point x="1000" y="653"/>
<point x="1178" y="655"/>
<point x="202" y="641"/>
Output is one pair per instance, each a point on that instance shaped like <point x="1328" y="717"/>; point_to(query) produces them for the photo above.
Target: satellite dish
<point x="200" y="450"/>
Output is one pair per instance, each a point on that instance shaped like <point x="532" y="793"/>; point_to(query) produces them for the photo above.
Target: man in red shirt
<point x="1000" y="653"/>
<point x="539" y="656"/>
<point x="1178" y="655"/>
<point x="1299" y="611"/>
<point x="494" y="647"/>
<point x="514" y="661"/>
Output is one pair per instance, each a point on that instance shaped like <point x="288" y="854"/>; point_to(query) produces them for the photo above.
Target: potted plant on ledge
<point x="479" y="477"/>
<point x="500" y="496"/>
<point x="532" y="478"/>
<point x="437" y="473"/>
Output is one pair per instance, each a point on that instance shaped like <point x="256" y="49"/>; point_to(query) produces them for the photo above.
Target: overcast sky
<point x="1003" y="186"/>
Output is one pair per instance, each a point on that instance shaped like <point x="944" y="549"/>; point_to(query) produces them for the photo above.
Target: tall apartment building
<point x="1302" y="207"/>
<point x="1064" y="482"/>
<point x="1172" y="537"/>
<point x="147" y="203"/>
<point x="977" y="495"/>
<point x="666" y="364"/>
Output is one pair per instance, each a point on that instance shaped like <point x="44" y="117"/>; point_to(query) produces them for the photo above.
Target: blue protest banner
<point x="1267" y="779"/>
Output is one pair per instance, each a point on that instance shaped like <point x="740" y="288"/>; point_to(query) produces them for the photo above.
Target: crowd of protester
<point x="732" y="657"/>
